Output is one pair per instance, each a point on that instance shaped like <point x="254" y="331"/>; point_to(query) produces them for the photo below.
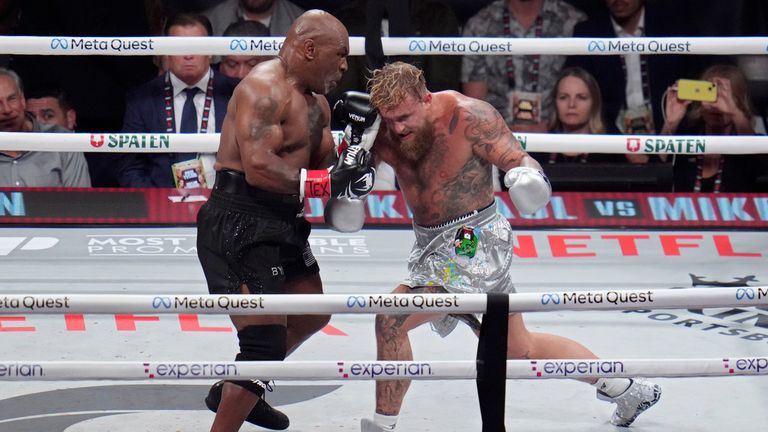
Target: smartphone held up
<point x="696" y="90"/>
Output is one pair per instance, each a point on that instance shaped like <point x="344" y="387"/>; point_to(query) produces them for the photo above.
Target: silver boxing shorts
<point x="469" y="254"/>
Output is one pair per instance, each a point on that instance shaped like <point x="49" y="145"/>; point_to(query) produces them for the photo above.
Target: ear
<point x="71" y="119"/>
<point x="427" y="98"/>
<point x="309" y="49"/>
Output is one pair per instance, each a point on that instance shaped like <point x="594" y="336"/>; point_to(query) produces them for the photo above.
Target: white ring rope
<point x="78" y="45"/>
<point x="532" y="142"/>
<point x="320" y="304"/>
<point x="378" y="370"/>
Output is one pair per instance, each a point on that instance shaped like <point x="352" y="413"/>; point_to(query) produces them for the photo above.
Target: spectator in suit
<point x="32" y="168"/>
<point x="52" y="106"/>
<point x="516" y="85"/>
<point x="277" y="15"/>
<point x="633" y="85"/>
<point x="730" y="114"/>
<point x="238" y="66"/>
<point x="197" y="102"/>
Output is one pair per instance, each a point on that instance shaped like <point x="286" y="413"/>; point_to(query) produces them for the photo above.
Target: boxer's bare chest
<point x="303" y="127"/>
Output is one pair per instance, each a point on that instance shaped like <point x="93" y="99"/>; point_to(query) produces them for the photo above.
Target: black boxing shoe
<point x="262" y="413"/>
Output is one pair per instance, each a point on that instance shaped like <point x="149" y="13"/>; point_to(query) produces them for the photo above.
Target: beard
<point x="415" y="148"/>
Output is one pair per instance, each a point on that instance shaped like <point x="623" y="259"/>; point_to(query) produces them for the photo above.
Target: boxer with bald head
<point x="275" y="148"/>
<point x="442" y="147"/>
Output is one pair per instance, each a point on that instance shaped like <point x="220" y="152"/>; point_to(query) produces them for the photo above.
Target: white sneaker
<point x="368" y="425"/>
<point x="640" y="396"/>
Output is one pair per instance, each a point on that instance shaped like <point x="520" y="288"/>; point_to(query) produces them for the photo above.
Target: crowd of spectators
<point x="616" y="94"/>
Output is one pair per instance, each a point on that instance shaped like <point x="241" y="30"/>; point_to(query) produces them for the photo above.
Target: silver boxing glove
<point x="529" y="189"/>
<point x="344" y="214"/>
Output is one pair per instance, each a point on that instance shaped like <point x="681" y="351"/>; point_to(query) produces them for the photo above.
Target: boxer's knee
<point x="389" y="327"/>
<point x="260" y="343"/>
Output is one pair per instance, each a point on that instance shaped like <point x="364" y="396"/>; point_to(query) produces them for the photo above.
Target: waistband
<point x="233" y="191"/>
<point x="234" y="183"/>
<point x="478" y="214"/>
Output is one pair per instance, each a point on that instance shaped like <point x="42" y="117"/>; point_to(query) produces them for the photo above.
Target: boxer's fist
<point x="361" y="120"/>
<point x="351" y="177"/>
<point x="529" y="189"/>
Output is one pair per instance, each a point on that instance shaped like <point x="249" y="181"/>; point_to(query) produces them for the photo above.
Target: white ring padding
<point x="531" y="142"/>
<point x="142" y="46"/>
<point x="78" y="45"/>
<point x="321" y="304"/>
<point x="378" y="370"/>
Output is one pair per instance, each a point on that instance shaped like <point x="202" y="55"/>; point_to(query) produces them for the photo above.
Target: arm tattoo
<point x="488" y="133"/>
<point x="265" y="116"/>
<point x="511" y="151"/>
<point x="484" y="127"/>
<point x="454" y="120"/>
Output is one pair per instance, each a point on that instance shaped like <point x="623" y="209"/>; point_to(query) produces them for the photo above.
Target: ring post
<point x="492" y="362"/>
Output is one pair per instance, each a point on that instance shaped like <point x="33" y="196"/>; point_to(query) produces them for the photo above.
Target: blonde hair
<point x="595" y="123"/>
<point x="391" y="84"/>
<point x="739" y="90"/>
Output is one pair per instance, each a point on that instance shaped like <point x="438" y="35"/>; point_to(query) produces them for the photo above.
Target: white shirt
<point x="179" y="97"/>
<point x="634" y="89"/>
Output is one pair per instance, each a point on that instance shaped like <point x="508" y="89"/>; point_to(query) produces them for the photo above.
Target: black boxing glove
<point x="351" y="177"/>
<point x="354" y="110"/>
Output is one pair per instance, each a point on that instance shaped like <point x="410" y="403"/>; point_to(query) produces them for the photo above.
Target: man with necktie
<point x="189" y="97"/>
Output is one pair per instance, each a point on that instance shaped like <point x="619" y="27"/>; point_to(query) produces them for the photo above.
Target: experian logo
<point x="10" y="244"/>
<point x="184" y="370"/>
<point x="394" y="369"/>
<point x="746" y="365"/>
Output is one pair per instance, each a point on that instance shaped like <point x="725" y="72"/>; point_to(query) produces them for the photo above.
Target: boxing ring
<point x="106" y="339"/>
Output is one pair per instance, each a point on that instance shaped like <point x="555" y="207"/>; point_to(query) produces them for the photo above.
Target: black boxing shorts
<point x="247" y="236"/>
